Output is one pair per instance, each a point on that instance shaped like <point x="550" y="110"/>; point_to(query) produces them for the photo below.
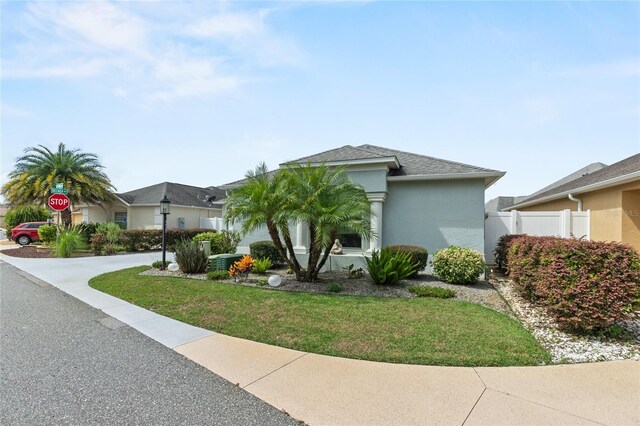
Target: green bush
<point x="438" y="292"/>
<point x="158" y="264"/>
<point x="98" y="241"/>
<point x="265" y="249"/>
<point x="18" y="215"/>
<point x="69" y="242"/>
<point x="217" y="275"/>
<point x="387" y="268"/>
<point x="334" y="288"/>
<point x="111" y="231"/>
<point x="225" y="242"/>
<point x="205" y="236"/>
<point x="419" y="255"/>
<point x="86" y="230"/>
<point x="458" y="265"/>
<point x="47" y="233"/>
<point x="190" y="257"/>
<point x="260" y="266"/>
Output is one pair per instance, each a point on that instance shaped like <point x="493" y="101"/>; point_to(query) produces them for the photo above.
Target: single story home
<point x="611" y="193"/>
<point x="140" y="208"/>
<point x="416" y="199"/>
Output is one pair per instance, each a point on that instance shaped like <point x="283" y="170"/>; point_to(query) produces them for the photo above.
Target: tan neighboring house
<point x="612" y="194"/>
<point x="140" y="208"/>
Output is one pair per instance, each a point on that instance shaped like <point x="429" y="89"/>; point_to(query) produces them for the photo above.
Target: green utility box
<point x="222" y="262"/>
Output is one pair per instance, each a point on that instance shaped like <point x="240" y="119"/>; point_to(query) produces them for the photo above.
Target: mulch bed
<point x="30" y="251"/>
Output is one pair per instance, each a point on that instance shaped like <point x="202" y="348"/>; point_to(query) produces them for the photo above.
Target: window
<point x="121" y="219"/>
<point x="350" y="240"/>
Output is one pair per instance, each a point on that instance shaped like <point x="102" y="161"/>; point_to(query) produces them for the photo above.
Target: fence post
<point x="565" y="223"/>
<point x="513" y="225"/>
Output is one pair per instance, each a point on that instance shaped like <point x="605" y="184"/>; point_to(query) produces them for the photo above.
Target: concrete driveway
<point x="328" y="390"/>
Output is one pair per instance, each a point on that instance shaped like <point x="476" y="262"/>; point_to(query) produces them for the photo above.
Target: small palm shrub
<point x="86" y="230"/>
<point x="418" y="254"/>
<point x="437" y="292"/>
<point x="68" y="243"/>
<point x="387" y="268"/>
<point x="260" y="266"/>
<point x="47" y="233"/>
<point x="190" y="257"/>
<point x="458" y="265"/>
<point x="265" y="249"/>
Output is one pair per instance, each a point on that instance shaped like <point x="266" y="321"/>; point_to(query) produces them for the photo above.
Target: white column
<point x="300" y="248"/>
<point x="376" y="198"/>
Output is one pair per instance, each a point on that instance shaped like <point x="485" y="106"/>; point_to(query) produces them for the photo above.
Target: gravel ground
<point x="480" y="293"/>
<point x="564" y="347"/>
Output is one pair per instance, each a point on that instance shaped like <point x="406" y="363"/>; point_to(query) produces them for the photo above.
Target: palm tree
<point x="329" y="203"/>
<point x="40" y="169"/>
<point x="257" y="203"/>
<point x="324" y="199"/>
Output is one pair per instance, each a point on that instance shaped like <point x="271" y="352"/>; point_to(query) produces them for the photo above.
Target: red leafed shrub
<point x="586" y="286"/>
<point x="502" y="248"/>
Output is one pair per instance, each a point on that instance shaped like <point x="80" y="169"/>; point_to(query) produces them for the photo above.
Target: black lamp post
<point x="165" y="209"/>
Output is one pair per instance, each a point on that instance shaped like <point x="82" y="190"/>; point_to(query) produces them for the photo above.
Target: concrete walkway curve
<point x="320" y="389"/>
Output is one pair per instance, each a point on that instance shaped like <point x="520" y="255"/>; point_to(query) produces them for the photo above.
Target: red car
<point x="27" y="232"/>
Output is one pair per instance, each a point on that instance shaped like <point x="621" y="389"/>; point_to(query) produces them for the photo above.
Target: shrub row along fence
<point x="145" y="239"/>
<point x="587" y="286"/>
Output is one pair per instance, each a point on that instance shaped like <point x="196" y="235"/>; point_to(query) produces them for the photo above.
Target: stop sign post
<point x="59" y="202"/>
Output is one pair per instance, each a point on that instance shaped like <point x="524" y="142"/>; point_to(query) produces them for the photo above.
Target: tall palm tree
<point x="40" y="169"/>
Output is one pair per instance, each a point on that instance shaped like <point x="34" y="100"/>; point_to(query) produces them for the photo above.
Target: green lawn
<point x="416" y="331"/>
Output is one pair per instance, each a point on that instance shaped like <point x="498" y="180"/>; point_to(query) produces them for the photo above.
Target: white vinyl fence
<point x="216" y="223"/>
<point x="564" y="223"/>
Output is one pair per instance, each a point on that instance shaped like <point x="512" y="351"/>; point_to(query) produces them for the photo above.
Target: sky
<point x="200" y="92"/>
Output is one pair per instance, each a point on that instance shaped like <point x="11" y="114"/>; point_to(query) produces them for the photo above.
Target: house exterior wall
<point x="371" y="180"/>
<point x="609" y="212"/>
<point x="143" y="218"/>
<point x="191" y="216"/>
<point x="434" y="214"/>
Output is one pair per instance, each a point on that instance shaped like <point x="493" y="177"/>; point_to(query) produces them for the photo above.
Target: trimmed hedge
<point x="502" y="249"/>
<point x="587" y="286"/>
<point x="147" y="239"/>
<point x="418" y="254"/>
<point x="265" y="250"/>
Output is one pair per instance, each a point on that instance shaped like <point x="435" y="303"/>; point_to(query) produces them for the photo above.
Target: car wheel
<point x="24" y="240"/>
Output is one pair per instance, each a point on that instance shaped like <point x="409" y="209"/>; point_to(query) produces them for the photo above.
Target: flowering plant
<point x="242" y="266"/>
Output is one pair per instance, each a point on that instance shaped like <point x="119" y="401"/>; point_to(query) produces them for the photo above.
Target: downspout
<point x="576" y="200"/>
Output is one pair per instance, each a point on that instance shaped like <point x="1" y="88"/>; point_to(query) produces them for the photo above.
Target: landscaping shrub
<point x="387" y="268"/>
<point x="502" y="249"/>
<point x="86" y="230"/>
<point x="458" y="265"/>
<point x="158" y="264"/>
<point x="334" y="288"/>
<point x="265" y="249"/>
<point x="111" y="231"/>
<point x="190" y="257"/>
<point x="225" y="242"/>
<point x="69" y="242"/>
<point x="98" y="241"/>
<point x="18" y="215"/>
<point x="241" y="267"/>
<point x="205" y="236"/>
<point x="438" y="292"/>
<point x="419" y="256"/>
<point x="260" y="266"/>
<point x="217" y="275"/>
<point x="587" y="286"/>
<point x="150" y="239"/>
<point x="47" y="233"/>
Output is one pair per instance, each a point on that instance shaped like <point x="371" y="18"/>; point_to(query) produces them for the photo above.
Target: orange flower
<point x="241" y="266"/>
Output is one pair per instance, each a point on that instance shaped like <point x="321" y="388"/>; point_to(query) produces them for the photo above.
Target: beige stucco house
<point x="140" y="208"/>
<point x="612" y="194"/>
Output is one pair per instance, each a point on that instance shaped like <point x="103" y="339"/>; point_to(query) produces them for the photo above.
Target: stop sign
<point x="59" y="202"/>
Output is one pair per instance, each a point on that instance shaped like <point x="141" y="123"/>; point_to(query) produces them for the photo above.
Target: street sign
<point x="58" y="191"/>
<point x="59" y="202"/>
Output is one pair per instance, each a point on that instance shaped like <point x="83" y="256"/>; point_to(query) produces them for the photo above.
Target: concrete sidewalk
<point x="328" y="390"/>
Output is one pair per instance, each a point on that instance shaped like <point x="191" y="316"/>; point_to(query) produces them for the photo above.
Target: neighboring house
<point x="612" y="194"/>
<point x="140" y="208"/>
<point x="503" y="203"/>
<point x="416" y="199"/>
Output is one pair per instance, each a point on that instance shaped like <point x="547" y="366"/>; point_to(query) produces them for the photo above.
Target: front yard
<point x="416" y="331"/>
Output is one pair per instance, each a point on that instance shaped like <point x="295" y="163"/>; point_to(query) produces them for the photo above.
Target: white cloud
<point x="142" y="58"/>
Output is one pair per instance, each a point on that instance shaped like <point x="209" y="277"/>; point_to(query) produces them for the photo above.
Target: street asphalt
<point x="64" y="362"/>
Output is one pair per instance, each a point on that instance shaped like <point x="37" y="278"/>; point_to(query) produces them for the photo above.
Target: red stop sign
<point x="59" y="202"/>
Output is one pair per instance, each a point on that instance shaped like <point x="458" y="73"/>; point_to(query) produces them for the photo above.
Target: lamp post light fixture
<point x="165" y="209"/>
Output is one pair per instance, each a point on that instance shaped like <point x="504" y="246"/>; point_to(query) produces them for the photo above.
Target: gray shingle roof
<point x="502" y="202"/>
<point x="410" y="164"/>
<point x="621" y="168"/>
<point x="178" y="194"/>
<point x="573" y="176"/>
